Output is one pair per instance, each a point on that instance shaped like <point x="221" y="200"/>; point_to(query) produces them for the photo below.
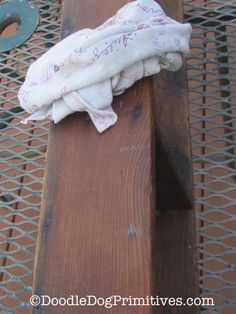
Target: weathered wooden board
<point x="95" y="233"/>
<point x="98" y="235"/>
<point x="176" y="259"/>
<point x="174" y="160"/>
<point x="175" y="246"/>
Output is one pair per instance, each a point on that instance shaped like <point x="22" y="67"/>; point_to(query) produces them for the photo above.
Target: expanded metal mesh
<point x="212" y="80"/>
<point x="22" y="156"/>
<point x="212" y="96"/>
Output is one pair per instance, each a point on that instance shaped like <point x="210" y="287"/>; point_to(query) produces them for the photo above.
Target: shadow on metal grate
<point x="22" y="158"/>
<point x="212" y="85"/>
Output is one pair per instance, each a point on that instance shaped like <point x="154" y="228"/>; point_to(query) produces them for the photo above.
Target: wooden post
<point x="98" y="233"/>
<point x="95" y="234"/>
<point x="175" y="246"/>
<point x="174" y="158"/>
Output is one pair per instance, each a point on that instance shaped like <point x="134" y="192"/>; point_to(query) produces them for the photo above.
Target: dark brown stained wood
<point x="175" y="245"/>
<point x="98" y="233"/>
<point x="174" y="160"/>
<point x="96" y="224"/>
<point x="176" y="259"/>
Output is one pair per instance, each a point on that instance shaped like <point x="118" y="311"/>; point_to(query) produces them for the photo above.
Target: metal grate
<point x="212" y="85"/>
<point x="22" y="156"/>
<point x="212" y="80"/>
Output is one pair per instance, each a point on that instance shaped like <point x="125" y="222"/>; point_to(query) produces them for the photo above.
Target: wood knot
<point x="137" y="112"/>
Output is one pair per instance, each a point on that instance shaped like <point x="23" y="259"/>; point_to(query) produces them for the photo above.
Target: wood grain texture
<point x="96" y="223"/>
<point x="174" y="158"/>
<point x="175" y="246"/>
<point x="98" y="235"/>
<point x="176" y="259"/>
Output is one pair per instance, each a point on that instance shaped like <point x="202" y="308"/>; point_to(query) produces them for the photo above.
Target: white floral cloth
<point x="84" y="71"/>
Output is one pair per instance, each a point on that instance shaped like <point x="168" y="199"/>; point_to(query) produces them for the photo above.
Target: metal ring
<point x="22" y="12"/>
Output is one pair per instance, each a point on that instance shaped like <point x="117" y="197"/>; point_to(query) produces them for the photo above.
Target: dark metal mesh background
<point x="212" y="96"/>
<point x="22" y="158"/>
<point x="212" y="80"/>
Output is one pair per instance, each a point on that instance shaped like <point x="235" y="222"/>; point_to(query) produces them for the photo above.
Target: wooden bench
<point x="117" y="212"/>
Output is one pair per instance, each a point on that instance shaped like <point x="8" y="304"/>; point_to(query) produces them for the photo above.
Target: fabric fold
<point x="85" y="70"/>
